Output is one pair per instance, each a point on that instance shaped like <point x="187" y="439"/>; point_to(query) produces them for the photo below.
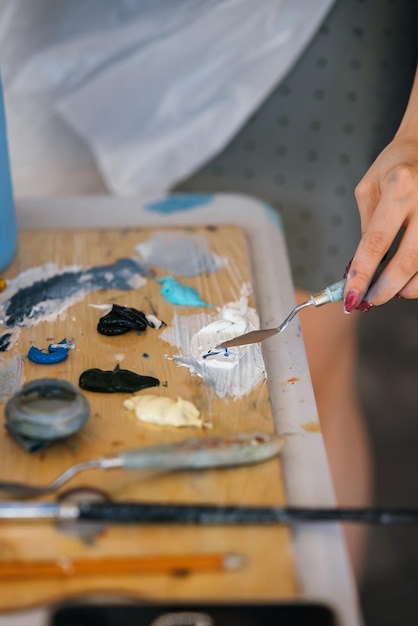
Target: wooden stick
<point x="160" y="563"/>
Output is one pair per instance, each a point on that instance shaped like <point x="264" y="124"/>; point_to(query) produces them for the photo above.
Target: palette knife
<point x="332" y="293"/>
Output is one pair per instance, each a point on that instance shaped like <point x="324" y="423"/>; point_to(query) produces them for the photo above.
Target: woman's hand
<point x="387" y="198"/>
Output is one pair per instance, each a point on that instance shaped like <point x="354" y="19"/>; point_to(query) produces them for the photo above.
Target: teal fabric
<point x="309" y="144"/>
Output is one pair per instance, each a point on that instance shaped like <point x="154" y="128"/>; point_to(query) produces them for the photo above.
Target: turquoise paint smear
<point x="175" y="203"/>
<point x="176" y="293"/>
<point x="273" y="215"/>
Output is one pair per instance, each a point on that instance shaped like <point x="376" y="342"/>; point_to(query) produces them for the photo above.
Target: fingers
<point x="396" y="207"/>
<point x="400" y="275"/>
<point x="367" y="194"/>
<point x="410" y="290"/>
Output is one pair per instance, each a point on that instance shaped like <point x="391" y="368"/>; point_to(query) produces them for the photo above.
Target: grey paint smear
<point x="11" y="376"/>
<point x="182" y="254"/>
<point x="42" y="293"/>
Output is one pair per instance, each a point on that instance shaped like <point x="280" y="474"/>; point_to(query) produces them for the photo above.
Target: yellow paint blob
<point x="312" y="427"/>
<point x="164" y="411"/>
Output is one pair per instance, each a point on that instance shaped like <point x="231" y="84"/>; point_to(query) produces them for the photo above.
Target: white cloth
<point x="151" y="88"/>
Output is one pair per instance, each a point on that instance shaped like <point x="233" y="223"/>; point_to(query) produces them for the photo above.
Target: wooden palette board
<point x="270" y="572"/>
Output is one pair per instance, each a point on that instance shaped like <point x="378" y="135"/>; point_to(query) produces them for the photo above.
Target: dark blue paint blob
<point x="118" y="275"/>
<point x="114" y="381"/>
<point x="214" y="351"/>
<point x="179" y="202"/>
<point x="56" y="353"/>
<point x="5" y="342"/>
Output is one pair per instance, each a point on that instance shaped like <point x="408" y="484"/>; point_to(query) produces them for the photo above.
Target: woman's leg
<point x="331" y="346"/>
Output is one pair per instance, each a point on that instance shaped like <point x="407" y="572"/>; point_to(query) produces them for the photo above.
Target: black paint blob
<point x="122" y="319"/>
<point x="114" y="381"/>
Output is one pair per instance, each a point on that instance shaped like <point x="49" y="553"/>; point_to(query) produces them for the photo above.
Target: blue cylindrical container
<point x="8" y="226"/>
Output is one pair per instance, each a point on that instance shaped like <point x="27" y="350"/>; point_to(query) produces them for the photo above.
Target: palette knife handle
<point x="202" y="452"/>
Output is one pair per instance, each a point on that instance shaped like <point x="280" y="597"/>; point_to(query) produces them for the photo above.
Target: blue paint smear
<point x="56" y="353"/>
<point x="176" y="293"/>
<point x="273" y="215"/>
<point x="175" y="203"/>
<point x="118" y="275"/>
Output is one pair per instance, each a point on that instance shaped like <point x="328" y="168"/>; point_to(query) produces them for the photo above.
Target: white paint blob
<point x="154" y="322"/>
<point x="235" y="374"/>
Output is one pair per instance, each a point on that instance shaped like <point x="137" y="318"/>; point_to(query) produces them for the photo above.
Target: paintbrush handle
<point x="127" y="513"/>
<point x="123" y="566"/>
<point x="202" y="514"/>
<point x="205" y="452"/>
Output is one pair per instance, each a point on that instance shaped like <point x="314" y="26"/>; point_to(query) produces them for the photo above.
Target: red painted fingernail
<point x="352" y="300"/>
<point x="364" y="306"/>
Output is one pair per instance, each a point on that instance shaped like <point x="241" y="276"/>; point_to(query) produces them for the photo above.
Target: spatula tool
<point x="332" y="293"/>
<point x="243" y="448"/>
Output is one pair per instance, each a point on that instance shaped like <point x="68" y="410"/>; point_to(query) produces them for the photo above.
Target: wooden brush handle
<point x="162" y="563"/>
